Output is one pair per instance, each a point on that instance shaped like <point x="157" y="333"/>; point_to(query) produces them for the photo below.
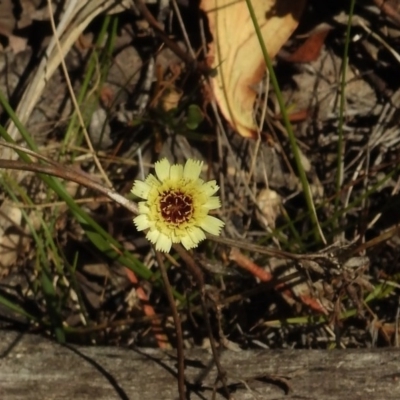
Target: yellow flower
<point x="176" y="205"/>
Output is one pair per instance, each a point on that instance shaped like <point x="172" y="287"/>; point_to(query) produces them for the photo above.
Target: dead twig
<point x="198" y="275"/>
<point x="75" y="176"/>
<point x="178" y="327"/>
<point x="159" y="31"/>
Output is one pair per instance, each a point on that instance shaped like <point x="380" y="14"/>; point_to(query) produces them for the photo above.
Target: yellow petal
<point x="162" y="168"/>
<point x="176" y="172"/>
<point x="192" y="169"/>
<point x="152" y="181"/>
<point x="212" y="225"/>
<point x="187" y="242"/>
<point x="212" y="203"/>
<point x="141" y="189"/>
<point x="209" y="188"/>
<point x="153" y="236"/>
<point x="141" y="222"/>
<point x="199" y="182"/>
<point x="174" y="237"/>
<point x="196" y="234"/>
<point x="164" y="243"/>
<point x="143" y="208"/>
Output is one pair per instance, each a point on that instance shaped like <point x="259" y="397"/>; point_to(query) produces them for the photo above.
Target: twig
<point x="170" y="43"/>
<point x="84" y="180"/>
<point x="73" y="98"/>
<point x="178" y="327"/>
<point x="388" y="9"/>
<point x="287" y="291"/>
<point x="148" y="310"/>
<point x="198" y="275"/>
<point x="183" y="29"/>
<point x="64" y="172"/>
<point x="71" y="175"/>
<point x="248" y="265"/>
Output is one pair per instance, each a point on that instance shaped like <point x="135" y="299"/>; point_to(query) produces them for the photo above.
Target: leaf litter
<point x="140" y="109"/>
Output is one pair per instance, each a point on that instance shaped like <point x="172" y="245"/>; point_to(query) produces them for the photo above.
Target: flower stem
<point x="178" y="327"/>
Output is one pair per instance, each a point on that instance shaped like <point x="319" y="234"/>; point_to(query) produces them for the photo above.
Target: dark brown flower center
<point x="176" y="207"/>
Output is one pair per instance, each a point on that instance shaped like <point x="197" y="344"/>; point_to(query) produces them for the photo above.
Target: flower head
<point x="176" y="205"/>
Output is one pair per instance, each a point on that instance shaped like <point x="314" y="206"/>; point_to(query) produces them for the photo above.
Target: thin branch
<point x="159" y="31"/>
<point x="73" y="98"/>
<point x="83" y="179"/>
<point x="71" y="175"/>
<point x="198" y="275"/>
<point x="178" y="327"/>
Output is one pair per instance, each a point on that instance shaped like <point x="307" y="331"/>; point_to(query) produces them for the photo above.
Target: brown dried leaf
<point x="12" y="242"/>
<point x="236" y="52"/>
<point x="269" y="203"/>
<point x="17" y="44"/>
<point x="7" y="25"/>
<point x="170" y="99"/>
<point x="310" y="50"/>
<point x="7" y="20"/>
<point x="28" y="8"/>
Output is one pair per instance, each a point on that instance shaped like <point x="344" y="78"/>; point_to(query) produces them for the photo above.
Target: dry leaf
<point x="170" y="99"/>
<point x="12" y="242"/>
<point x="310" y="50"/>
<point x="17" y="44"/>
<point x="269" y="203"/>
<point x="28" y="9"/>
<point x="7" y="26"/>
<point x="7" y="19"/>
<point x="236" y="52"/>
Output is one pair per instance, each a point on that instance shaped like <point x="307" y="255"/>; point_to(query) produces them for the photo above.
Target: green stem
<point x="292" y="139"/>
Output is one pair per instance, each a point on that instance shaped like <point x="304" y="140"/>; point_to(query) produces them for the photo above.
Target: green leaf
<point x="52" y="303"/>
<point x="194" y="117"/>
